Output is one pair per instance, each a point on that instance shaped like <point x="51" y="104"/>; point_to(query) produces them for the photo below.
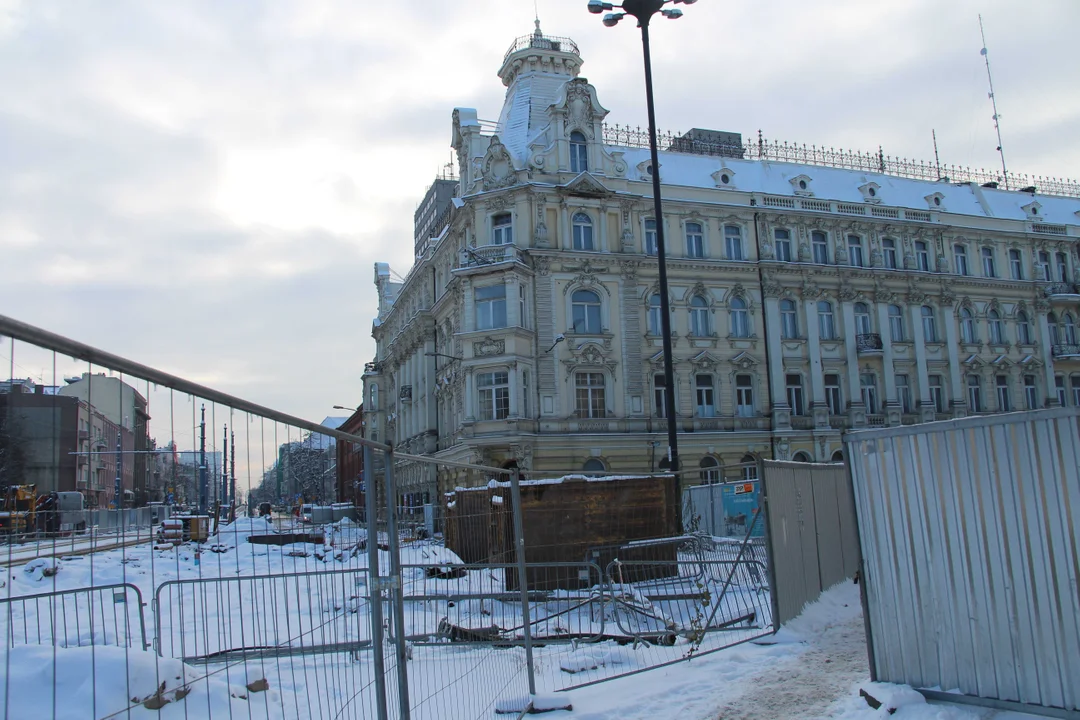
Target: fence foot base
<point x="532" y="705"/>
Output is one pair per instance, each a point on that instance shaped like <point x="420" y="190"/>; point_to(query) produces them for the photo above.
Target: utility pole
<point x="204" y="490"/>
<point x="224" y="494"/>
<point x="118" y="497"/>
<point x="232" y="475"/>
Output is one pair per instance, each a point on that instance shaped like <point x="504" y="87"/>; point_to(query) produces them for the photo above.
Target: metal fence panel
<point x="811" y="526"/>
<point x="972" y="554"/>
<point x="101" y="615"/>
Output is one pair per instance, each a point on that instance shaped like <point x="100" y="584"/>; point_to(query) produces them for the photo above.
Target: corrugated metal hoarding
<point x="972" y="555"/>
<point x="811" y="531"/>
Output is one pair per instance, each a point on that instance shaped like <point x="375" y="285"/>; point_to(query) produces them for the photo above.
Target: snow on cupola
<point x="534" y="71"/>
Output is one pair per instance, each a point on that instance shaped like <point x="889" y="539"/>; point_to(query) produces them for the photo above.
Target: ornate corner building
<point x="812" y="291"/>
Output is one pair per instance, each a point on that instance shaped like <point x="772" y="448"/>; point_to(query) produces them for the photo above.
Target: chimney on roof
<point x="1028" y="189"/>
<point x="992" y="185"/>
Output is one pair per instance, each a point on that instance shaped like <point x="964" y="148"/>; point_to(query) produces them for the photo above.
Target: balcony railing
<point x="1060" y="289"/>
<point x="875" y="420"/>
<point x="868" y="343"/>
<point x="488" y="255"/>
<point x="1064" y="350"/>
<point x="802" y="422"/>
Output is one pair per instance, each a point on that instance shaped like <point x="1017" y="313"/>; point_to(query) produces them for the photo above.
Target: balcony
<point x="1062" y="291"/>
<point x="1065" y="351"/>
<point x="875" y="421"/>
<point x="802" y="422"/>
<point x="868" y="344"/>
<point x="473" y="257"/>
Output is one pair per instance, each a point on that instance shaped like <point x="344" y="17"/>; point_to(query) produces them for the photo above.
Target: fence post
<point x="396" y="590"/>
<point x="371" y="509"/>
<point x="519" y="539"/>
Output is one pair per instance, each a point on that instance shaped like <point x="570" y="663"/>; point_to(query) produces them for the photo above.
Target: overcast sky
<point x="205" y="186"/>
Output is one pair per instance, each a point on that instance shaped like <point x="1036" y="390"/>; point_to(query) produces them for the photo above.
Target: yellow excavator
<point x="18" y="508"/>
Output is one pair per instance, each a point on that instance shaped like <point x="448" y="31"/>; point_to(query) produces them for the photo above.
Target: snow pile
<point x="107" y="680"/>
<point x="237" y="533"/>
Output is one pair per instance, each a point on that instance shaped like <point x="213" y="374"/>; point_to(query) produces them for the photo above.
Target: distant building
<point x="434" y="209"/>
<point x="350" y="462"/>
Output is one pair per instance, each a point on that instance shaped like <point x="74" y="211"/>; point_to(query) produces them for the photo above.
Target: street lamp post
<point x="644" y="10"/>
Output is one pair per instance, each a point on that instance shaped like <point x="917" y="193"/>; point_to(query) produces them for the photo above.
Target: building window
<point x="1016" y="265"/>
<point x="706" y="397"/>
<point x="922" y="256"/>
<point x="826" y="321"/>
<point x="783" y="245"/>
<point x="655" y="326"/>
<point x="1074" y="380"/>
<point x="819" y="246"/>
<point x="749" y="473"/>
<point x="974" y="386"/>
<point x="868" y="383"/>
<point x="699" y="317"/>
<point x="490" y="307"/>
<point x="583" y="232"/>
<point x="862" y="319"/>
<point x="650" y="236"/>
<point x="1004" y="402"/>
<point x="997" y="329"/>
<point x="1023" y="329"/>
<point x="789" y="321"/>
<point x="903" y="393"/>
<point x="659" y="396"/>
<point x="832" y="394"/>
<point x="589" y="397"/>
<point x="929" y="324"/>
<point x="733" y="242"/>
<point x="989" y="270"/>
<point x="740" y="320"/>
<point x="585" y="309"/>
<point x="795" y="395"/>
<point x="502" y="229"/>
<point x="593" y="467"/>
<point x="525" y="393"/>
<point x="374" y="397"/>
<point x="522" y="315"/>
<point x="579" y="153"/>
<point x="968" y="332"/>
<point x="1055" y="331"/>
<point x="1070" y="329"/>
<point x="937" y="393"/>
<point x="960" y="259"/>
<point x="1062" y="267"/>
<point x="695" y="240"/>
<point x="1031" y="394"/>
<point x="888" y="253"/>
<point x="1059" y="384"/>
<point x="854" y="249"/>
<point x="494" y="389"/>
<point x="744" y="395"/>
<point x="838" y="456"/>
<point x="710" y="470"/>
<point x="1042" y="266"/>
<point x="800" y="457"/>
<point x="896" y="323"/>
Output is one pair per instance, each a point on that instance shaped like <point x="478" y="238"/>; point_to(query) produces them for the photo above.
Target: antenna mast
<point x="993" y="101"/>
<point x="937" y="160"/>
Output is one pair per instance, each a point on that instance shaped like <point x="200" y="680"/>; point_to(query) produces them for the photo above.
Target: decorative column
<point x="818" y="407"/>
<point x="565" y="241"/>
<point x="1046" y="347"/>
<point x="778" y="398"/>
<point x="892" y="401"/>
<point x="956" y="381"/>
<point x="602" y="227"/>
<point x="856" y="409"/>
<point x="927" y="412"/>
<point x="470" y="396"/>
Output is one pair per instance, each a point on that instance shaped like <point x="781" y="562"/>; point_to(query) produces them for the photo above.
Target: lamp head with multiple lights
<point x="641" y="9"/>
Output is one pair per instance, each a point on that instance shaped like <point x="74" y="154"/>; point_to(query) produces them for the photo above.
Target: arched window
<point x="1055" y="331"/>
<point x="838" y="456"/>
<point x="650" y="236"/>
<point x="749" y="463"/>
<point x="819" y="247"/>
<point x="1023" y="328"/>
<point x="862" y="319"/>
<point x="699" y="317"/>
<point x="997" y="331"/>
<point x="593" y="465"/>
<point x="585" y="312"/>
<point x="740" y="320"/>
<point x="801" y="457"/>
<point x="967" y="326"/>
<point x="579" y="152"/>
<point x="1070" y="329"/>
<point x="710" y="470"/>
<point x="583" y="232"/>
<point x="502" y="229"/>
<point x="826" y="322"/>
<point x="374" y="397"/>
<point x="695" y="240"/>
<point x="655" y="326"/>
<point x="789" y="320"/>
<point x="929" y="324"/>
<point x="896" y="323"/>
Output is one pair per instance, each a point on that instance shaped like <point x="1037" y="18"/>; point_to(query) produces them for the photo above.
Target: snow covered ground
<point x="272" y="597"/>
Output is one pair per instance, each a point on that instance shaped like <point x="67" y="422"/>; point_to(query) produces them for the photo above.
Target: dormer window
<point x="801" y="185"/>
<point x="870" y="192"/>
<point x="1033" y="210"/>
<point x="724" y="177"/>
<point x="579" y="153"/>
<point x="936" y="201"/>
<point x="502" y="229"/>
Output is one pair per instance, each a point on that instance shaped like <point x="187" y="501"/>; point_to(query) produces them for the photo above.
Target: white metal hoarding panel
<point x="972" y="554"/>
